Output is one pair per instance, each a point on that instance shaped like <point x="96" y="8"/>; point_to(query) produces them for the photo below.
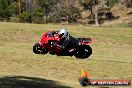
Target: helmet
<point x="63" y="33"/>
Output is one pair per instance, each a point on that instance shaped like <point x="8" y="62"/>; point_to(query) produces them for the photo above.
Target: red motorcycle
<point x="49" y="44"/>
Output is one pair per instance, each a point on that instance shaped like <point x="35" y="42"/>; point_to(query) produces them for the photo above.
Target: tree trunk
<point x="34" y="4"/>
<point x="30" y="9"/>
<point x="91" y="14"/>
<point x="27" y="5"/>
<point x="19" y="2"/>
<point x="96" y="8"/>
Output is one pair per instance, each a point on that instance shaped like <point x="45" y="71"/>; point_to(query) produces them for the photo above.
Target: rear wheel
<point x="83" y="52"/>
<point x="37" y="49"/>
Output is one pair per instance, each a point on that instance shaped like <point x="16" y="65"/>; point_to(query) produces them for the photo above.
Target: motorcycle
<point x="49" y="44"/>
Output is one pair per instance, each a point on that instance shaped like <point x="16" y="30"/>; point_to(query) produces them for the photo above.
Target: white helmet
<point x="63" y="33"/>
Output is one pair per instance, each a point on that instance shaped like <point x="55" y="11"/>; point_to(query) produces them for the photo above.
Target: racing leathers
<point x="68" y="43"/>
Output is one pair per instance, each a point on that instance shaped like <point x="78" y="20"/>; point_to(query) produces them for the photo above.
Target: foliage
<point x="70" y="13"/>
<point x="25" y="17"/>
<point x="55" y="18"/>
<point x="37" y="16"/>
<point x="8" y="9"/>
<point x="14" y="8"/>
<point x="110" y="3"/>
<point x="4" y="9"/>
<point x="52" y="11"/>
<point x="47" y="5"/>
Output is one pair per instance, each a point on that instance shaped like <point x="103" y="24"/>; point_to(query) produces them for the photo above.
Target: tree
<point x="70" y="13"/>
<point x="47" y="6"/>
<point x="24" y="17"/>
<point x="14" y="8"/>
<point x="19" y="3"/>
<point x="5" y="12"/>
<point x="96" y="7"/>
<point x="93" y="6"/>
<point x="88" y="5"/>
<point x="37" y="15"/>
<point x="110" y="3"/>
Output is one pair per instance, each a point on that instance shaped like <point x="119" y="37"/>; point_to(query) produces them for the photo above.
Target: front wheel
<point x="83" y="52"/>
<point x="37" y="49"/>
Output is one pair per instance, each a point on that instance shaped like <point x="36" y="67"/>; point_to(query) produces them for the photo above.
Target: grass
<point x="111" y="58"/>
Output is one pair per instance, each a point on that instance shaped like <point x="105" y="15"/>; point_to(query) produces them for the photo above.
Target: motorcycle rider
<point x="66" y="40"/>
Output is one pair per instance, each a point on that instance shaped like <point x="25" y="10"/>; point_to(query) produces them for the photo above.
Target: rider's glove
<point x="60" y="46"/>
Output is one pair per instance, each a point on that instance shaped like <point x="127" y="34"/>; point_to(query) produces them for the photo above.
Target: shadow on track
<point x="28" y="82"/>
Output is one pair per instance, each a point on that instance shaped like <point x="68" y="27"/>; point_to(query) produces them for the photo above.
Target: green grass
<point x="111" y="58"/>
